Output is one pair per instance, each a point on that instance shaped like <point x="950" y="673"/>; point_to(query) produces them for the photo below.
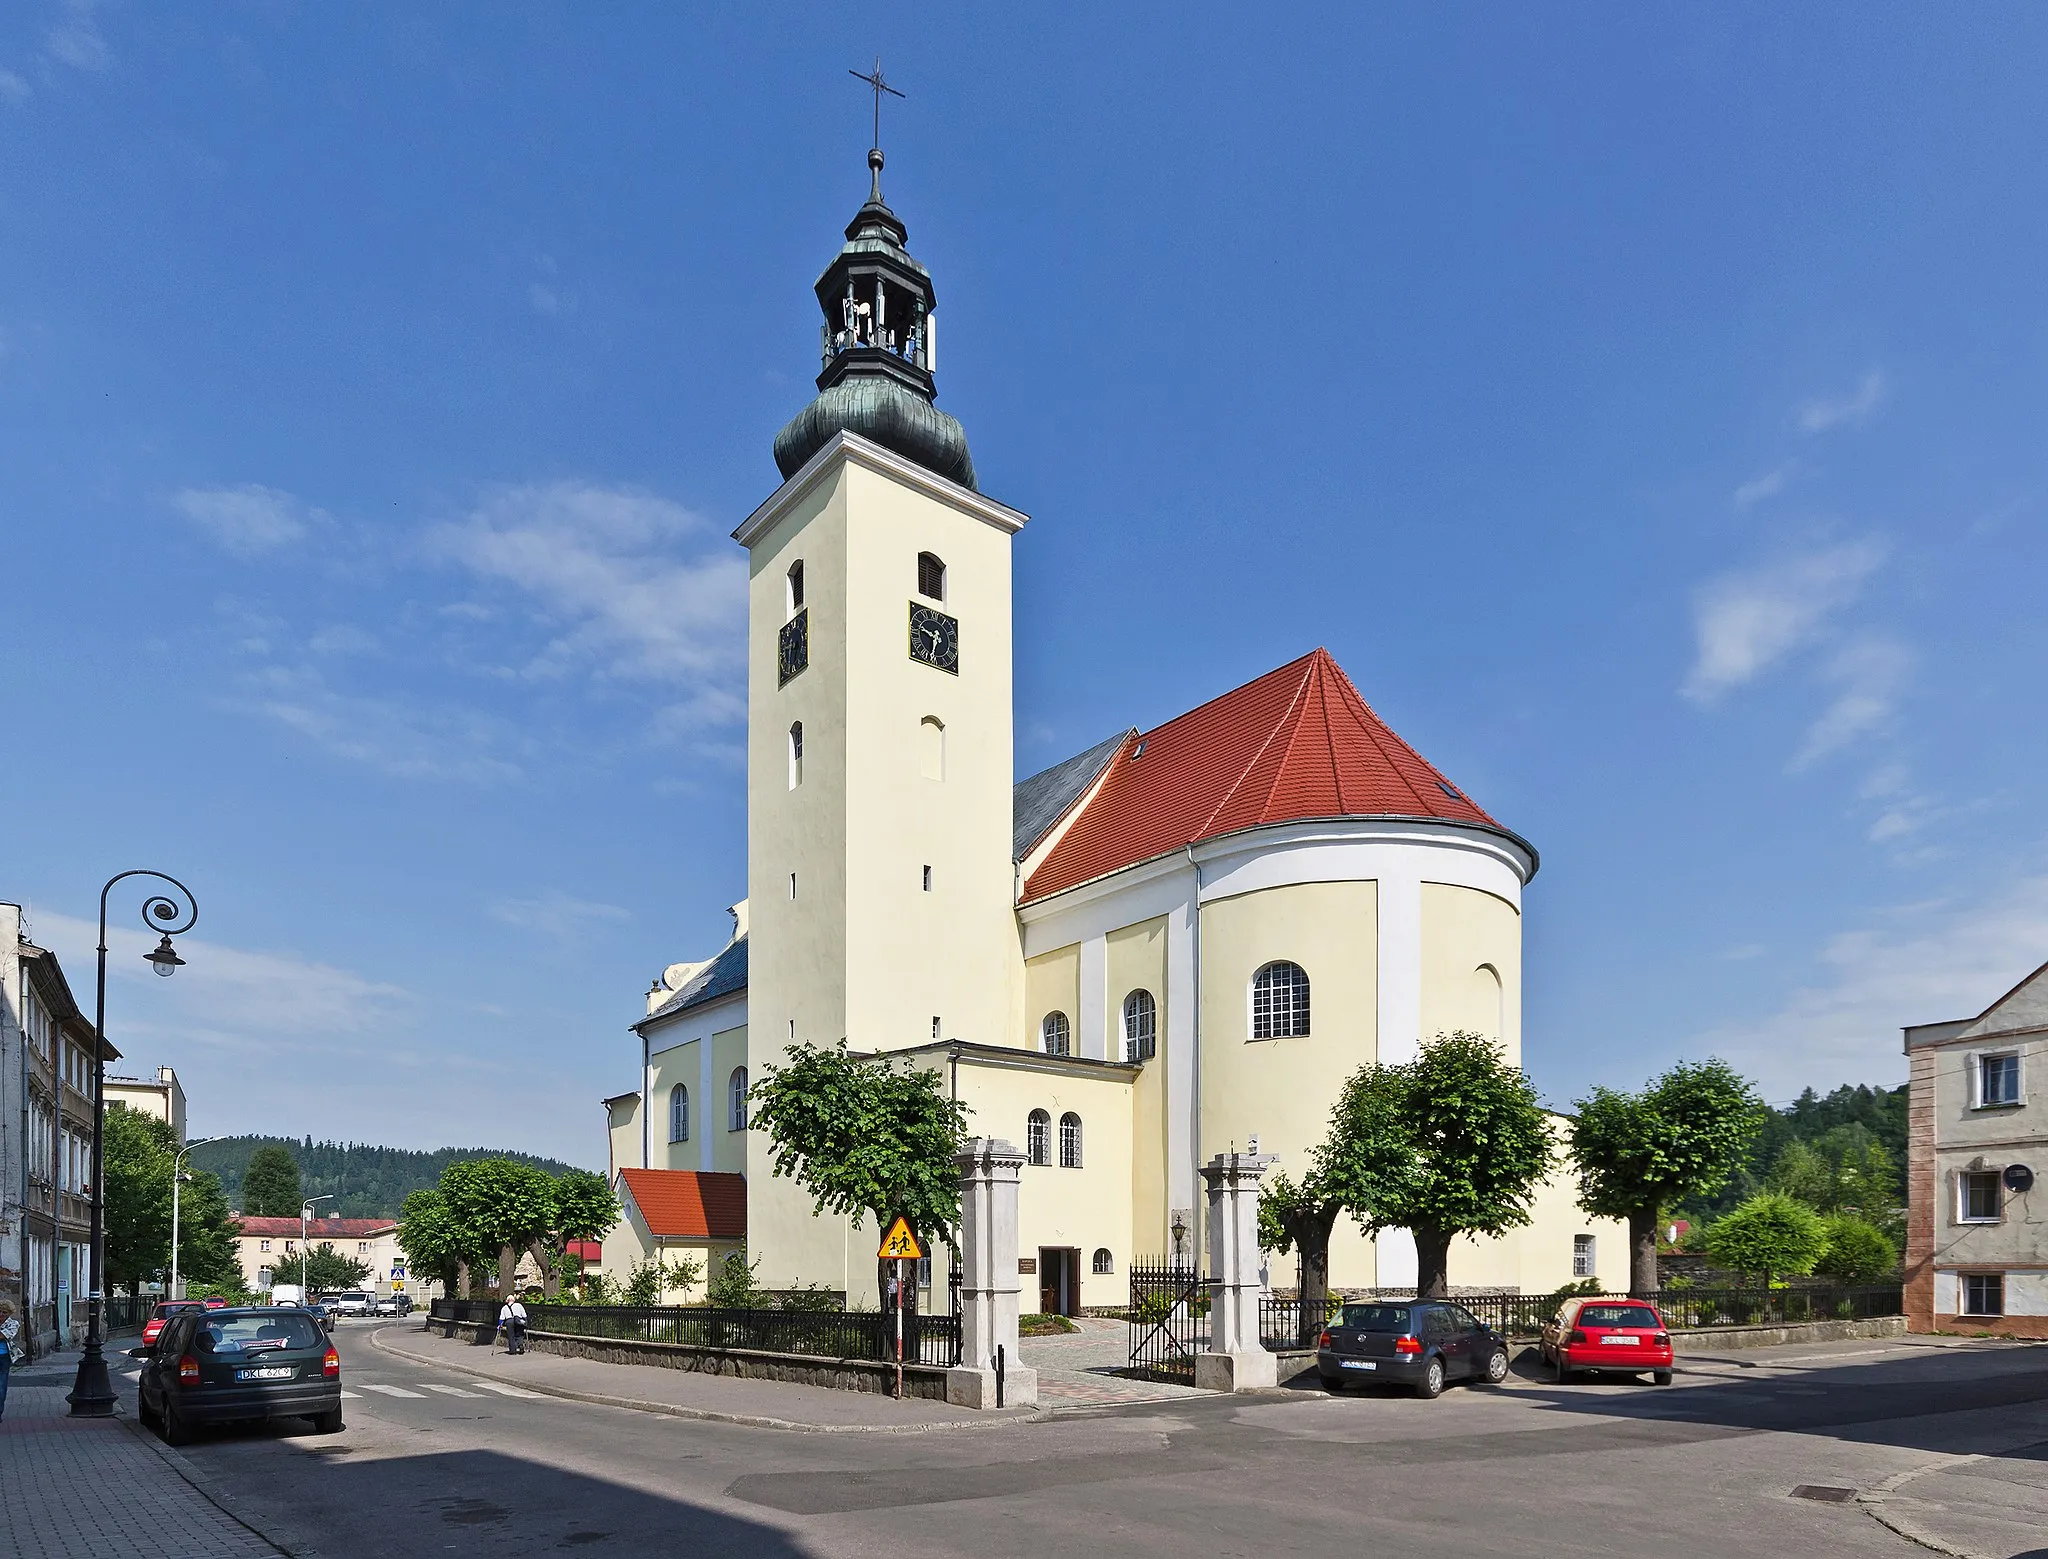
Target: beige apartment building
<point x="160" y="1096"/>
<point x="1977" y="1145"/>
<point x="269" y="1250"/>
<point x="1178" y="942"/>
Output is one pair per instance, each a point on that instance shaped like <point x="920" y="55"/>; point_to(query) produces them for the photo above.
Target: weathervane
<point x="880" y="84"/>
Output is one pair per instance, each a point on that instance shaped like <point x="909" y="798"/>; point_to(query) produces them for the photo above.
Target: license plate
<point x="1626" y="1342"/>
<point x="1358" y="1364"/>
<point x="269" y="1372"/>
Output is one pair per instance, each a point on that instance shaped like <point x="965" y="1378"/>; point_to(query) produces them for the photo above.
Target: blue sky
<point x="1644" y="406"/>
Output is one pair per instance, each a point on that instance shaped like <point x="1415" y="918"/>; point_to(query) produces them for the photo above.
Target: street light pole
<point x="305" y="1210"/>
<point x="177" y="1176"/>
<point x="92" y="1391"/>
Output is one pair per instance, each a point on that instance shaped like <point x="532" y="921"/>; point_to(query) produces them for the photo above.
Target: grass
<point x="1044" y="1325"/>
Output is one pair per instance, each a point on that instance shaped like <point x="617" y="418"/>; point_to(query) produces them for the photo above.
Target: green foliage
<point x="1881" y="1112"/>
<point x="365" y="1181"/>
<point x="1682" y="1136"/>
<point x="863" y="1135"/>
<point x="270" y="1184"/>
<point x="487" y="1208"/>
<point x="1857" y="1251"/>
<point x="499" y="1203"/>
<point x="1769" y="1236"/>
<point x="435" y="1245"/>
<point x="140" y="1151"/>
<point x="732" y="1285"/>
<point x="1844" y="1170"/>
<point x="648" y="1282"/>
<point x="1044" y="1325"/>
<point x="323" y="1270"/>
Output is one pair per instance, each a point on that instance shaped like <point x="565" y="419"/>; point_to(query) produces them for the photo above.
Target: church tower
<point x="879" y="754"/>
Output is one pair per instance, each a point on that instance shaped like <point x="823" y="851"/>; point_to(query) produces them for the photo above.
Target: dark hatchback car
<point x="1415" y="1343"/>
<point x="228" y="1366"/>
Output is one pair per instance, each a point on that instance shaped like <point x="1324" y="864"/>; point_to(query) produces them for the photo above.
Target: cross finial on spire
<point x="879" y="84"/>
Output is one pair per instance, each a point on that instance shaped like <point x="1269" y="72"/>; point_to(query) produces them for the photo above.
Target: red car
<point x="1608" y="1337"/>
<point x="162" y="1313"/>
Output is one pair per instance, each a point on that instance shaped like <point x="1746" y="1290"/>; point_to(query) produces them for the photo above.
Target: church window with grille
<point x="1141" y="1026"/>
<point x="679" y="1114"/>
<point x="1280" y="1002"/>
<point x="737" y="1102"/>
<point x="1056" y="1034"/>
<point x="1070" y="1141"/>
<point x="1038" y="1137"/>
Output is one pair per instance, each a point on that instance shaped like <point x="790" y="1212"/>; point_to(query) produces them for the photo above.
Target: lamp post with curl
<point x="92" y="1392"/>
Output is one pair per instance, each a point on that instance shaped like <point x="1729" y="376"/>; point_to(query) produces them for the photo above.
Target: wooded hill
<point x="1833" y="1123"/>
<point x="365" y="1181"/>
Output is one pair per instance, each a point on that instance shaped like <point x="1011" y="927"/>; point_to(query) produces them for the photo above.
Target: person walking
<point x="512" y="1322"/>
<point x="10" y="1328"/>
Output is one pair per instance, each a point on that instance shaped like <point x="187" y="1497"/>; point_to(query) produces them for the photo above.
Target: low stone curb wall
<point x="1710" y="1338"/>
<point x="924" y="1381"/>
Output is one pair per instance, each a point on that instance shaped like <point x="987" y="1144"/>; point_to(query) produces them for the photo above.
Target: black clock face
<point x="793" y="649"/>
<point x="934" y="638"/>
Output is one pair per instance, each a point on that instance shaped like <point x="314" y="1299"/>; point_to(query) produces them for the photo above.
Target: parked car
<point x="229" y="1365"/>
<point x="1420" y="1344"/>
<point x="1608" y="1336"/>
<point x="318" y="1309"/>
<point x="356" y="1302"/>
<point x="153" y="1327"/>
<point x="395" y="1304"/>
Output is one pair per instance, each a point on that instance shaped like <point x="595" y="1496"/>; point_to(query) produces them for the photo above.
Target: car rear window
<point x="257" y="1333"/>
<point x="1619" y="1315"/>
<point x="1375" y="1318"/>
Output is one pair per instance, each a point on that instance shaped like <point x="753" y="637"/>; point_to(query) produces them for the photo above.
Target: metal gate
<point x="1169" y="1320"/>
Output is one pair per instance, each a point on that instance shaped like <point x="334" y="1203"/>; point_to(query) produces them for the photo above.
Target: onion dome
<point x="877" y="346"/>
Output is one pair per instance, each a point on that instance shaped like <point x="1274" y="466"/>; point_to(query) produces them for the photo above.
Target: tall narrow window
<point x="931" y="577"/>
<point x="927" y="879"/>
<point x="1038" y="1137"/>
<point x="736" y="1088"/>
<point x="1280" y="1002"/>
<point x="679" y="1114"/>
<point x="1055" y="1034"/>
<point x="931" y="747"/>
<point x="1141" y="1026"/>
<point x="793" y="590"/>
<point x="1070" y="1141"/>
<point x="1583" y="1264"/>
<point x="796" y="754"/>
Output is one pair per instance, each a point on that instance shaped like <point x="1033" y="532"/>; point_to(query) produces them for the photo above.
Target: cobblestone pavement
<point x="1078" y="1369"/>
<point x="78" y="1487"/>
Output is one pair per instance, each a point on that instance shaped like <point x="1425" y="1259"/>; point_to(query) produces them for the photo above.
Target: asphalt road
<point x="434" y="1463"/>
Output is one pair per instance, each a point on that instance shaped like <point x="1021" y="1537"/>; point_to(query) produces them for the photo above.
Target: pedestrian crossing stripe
<point x="455" y="1391"/>
<point x="510" y="1391"/>
<point x="393" y="1391"/>
<point x="348" y="1394"/>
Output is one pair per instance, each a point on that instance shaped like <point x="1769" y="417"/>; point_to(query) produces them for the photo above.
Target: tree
<point x="1637" y="1154"/>
<point x="501" y="1207"/>
<point x="585" y="1208"/>
<point x="138" y="1197"/>
<point x="1769" y="1236"/>
<point x="270" y="1185"/>
<point x="435" y="1246"/>
<point x="206" y="1234"/>
<point x="1453" y="1142"/>
<point x="325" y="1270"/>
<point x="863" y="1135"/>
<point x="1857" y="1252"/>
<point x="1299" y="1217"/>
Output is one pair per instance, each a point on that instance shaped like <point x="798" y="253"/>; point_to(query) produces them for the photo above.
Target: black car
<point x="226" y="1366"/>
<point x="1421" y="1344"/>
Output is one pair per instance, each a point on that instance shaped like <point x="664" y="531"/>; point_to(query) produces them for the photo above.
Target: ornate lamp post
<point x="92" y="1391"/>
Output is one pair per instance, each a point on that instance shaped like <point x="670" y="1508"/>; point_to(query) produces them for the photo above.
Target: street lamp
<point x="178" y="1177"/>
<point x="92" y="1391"/>
<point x="305" y="1212"/>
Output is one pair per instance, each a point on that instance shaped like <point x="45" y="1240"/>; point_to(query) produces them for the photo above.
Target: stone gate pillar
<point x="1236" y="1360"/>
<point x="990" y="1169"/>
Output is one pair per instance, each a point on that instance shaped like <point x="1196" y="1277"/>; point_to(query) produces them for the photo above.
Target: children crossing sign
<point x="899" y="1244"/>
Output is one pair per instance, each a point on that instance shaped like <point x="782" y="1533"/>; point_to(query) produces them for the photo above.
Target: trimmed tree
<point x="501" y="1207"/>
<point x="327" y="1271"/>
<point x="1299" y="1218"/>
<point x="138" y="1198"/>
<point x="270" y="1185"/>
<point x="435" y="1245"/>
<point x="1453" y="1142"/>
<point x="585" y="1208"/>
<point x="1858" y="1252"/>
<point x="1769" y="1236"/>
<point x="1637" y="1154"/>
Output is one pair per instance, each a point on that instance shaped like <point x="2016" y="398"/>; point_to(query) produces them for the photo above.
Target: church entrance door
<point x="1059" y="1281"/>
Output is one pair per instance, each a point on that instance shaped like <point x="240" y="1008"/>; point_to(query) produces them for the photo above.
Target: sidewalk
<point x="1078" y="1369"/>
<point x="1985" y="1506"/>
<point x="653" y="1388"/>
<point x="94" y="1487"/>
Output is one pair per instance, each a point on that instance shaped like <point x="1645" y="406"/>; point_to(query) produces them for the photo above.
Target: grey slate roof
<point x="723" y="976"/>
<point x="1042" y="800"/>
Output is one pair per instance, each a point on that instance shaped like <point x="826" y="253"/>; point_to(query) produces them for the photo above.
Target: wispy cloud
<point x="76" y="40"/>
<point x="248" y="520"/>
<point x="1821" y="413"/>
<point x="1866" y="674"/>
<point x="394" y="736"/>
<point x="1769" y="485"/>
<point x="555" y="914"/>
<point x="13" y="88"/>
<point x="1746" y="621"/>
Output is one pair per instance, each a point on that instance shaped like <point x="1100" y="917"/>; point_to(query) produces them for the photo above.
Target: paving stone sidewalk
<point x="1079" y="1369"/>
<point x="96" y="1487"/>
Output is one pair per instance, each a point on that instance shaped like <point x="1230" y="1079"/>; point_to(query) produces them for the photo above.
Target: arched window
<point x="1104" y="1263"/>
<point x="793" y="590"/>
<point x="1055" y="1035"/>
<point x="931" y="747"/>
<point x="931" y="576"/>
<point x="1070" y="1141"/>
<point x="736" y="1108"/>
<point x="1489" y="1004"/>
<point x="1038" y="1137"/>
<point x="1280" y="1002"/>
<point x="1141" y="1026"/>
<point x="679" y="1114"/>
<point x="796" y="754"/>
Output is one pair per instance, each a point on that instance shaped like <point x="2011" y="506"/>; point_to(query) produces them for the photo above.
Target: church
<point x="1178" y="942"/>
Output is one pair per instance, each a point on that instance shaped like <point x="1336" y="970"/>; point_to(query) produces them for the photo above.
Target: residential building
<point x="1976" y="1146"/>
<point x="47" y="1047"/>
<point x="1178" y="941"/>
<point x="269" y="1250"/>
<point x="160" y="1096"/>
<point x="692" y="1216"/>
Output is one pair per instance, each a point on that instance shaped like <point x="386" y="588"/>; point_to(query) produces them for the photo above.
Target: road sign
<point x="899" y="1244"/>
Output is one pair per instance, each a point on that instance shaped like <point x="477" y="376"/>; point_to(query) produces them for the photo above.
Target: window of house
<point x="1998" y="1079"/>
<point x="793" y="590"/>
<point x="924" y="1272"/>
<point x="1038" y="1137"/>
<point x="1280" y="1002"/>
<point x="736" y="1116"/>
<point x="796" y="754"/>
<point x="1583" y="1263"/>
<point x="931" y="747"/>
<point x="1141" y="1026"/>
<point x="1103" y="1264"/>
<point x="362" y="1247"/>
<point x="1983" y="1293"/>
<point x="1055" y="1034"/>
<point x="679" y="1114"/>
<point x="931" y="577"/>
<point x="290" y="1246"/>
<point x="263" y="1245"/>
<point x="1070" y="1141"/>
<point x="1977" y="1192"/>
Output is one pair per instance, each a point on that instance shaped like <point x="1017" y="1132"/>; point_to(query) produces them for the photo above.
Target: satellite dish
<point x="2018" y="1179"/>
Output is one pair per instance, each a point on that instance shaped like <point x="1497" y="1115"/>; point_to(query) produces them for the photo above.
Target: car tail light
<point x="1662" y="1339"/>
<point x="1578" y="1334"/>
<point x="188" y="1371"/>
<point x="1407" y="1345"/>
<point x="330" y="1366"/>
<point x="1323" y="1341"/>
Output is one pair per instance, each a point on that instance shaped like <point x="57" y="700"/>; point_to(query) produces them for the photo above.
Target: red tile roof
<point x="690" y="1203"/>
<point x="1297" y="743"/>
<point x="319" y="1228"/>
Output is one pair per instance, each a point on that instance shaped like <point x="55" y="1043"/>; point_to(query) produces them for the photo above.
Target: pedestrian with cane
<point x="512" y="1323"/>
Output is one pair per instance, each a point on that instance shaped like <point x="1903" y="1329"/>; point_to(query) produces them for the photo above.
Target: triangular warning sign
<point x="899" y="1244"/>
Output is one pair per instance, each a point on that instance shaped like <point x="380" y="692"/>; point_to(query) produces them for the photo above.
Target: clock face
<point x="793" y="649"/>
<point x="934" y="638"/>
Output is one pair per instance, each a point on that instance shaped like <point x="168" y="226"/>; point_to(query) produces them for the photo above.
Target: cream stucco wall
<point x="1471" y="965"/>
<point x="1052" y="983"/>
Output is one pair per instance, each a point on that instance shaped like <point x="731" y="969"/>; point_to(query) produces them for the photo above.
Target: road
<point x="433" y="1463"/>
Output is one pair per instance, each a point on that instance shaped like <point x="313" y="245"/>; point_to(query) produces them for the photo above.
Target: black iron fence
<point x="828" y="1334"/>
<point x="1168" y="1321"/>
<point x="126" y="1312"/>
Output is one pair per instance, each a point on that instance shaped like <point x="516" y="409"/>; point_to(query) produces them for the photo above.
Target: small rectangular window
<point x="1998" y="1079"/>
<point x="935" y="1025"/>
<point x="1978" y="1194"/>
<point x="927" y="879"/>
<point x="1583" y="1263"/>
<point x="1983" y="1293"/>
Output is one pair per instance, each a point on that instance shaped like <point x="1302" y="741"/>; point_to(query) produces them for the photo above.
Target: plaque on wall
<point x="1027" y="1266"/>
